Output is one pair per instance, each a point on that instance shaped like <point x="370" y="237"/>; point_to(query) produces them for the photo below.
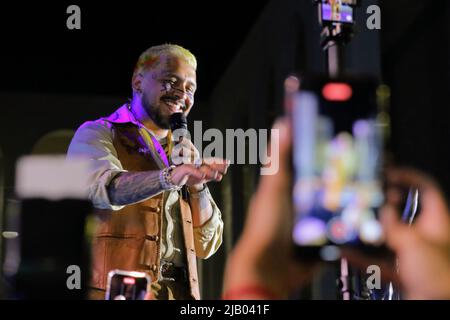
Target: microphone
<point x="178" y="125"/>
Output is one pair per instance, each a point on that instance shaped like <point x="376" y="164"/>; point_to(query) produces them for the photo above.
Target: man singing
<point x="142" y="221"/>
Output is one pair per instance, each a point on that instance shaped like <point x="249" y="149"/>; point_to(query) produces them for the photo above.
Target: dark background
<point x="52" y="78"/>
<point x="41" y="55"/>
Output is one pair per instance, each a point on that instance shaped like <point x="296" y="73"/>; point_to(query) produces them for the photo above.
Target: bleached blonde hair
<point x="150" y="56"/>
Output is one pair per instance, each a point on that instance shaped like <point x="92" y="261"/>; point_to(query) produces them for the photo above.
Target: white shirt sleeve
<point x="93" y="141"/>
<point x="208" y="237"/>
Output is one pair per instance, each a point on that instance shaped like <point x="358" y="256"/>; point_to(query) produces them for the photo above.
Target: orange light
<point x="129" y="280"/>
<point x="335" y="91"/>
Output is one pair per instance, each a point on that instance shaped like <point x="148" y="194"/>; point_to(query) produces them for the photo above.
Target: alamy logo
<point x="236" y="145"/>
<point x="374" y="280"/>
<point x="74" y="280"/>
<point x="374" y="20"/>
<point x="74" y="20"/>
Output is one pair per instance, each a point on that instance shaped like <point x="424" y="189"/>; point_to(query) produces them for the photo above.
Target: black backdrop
<point x="416" y="57"/>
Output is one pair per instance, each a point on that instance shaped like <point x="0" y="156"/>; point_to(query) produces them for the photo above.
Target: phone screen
<point x="125" y="285"/>
<point x="337" y="157"/>
<point x="336" y="11"/>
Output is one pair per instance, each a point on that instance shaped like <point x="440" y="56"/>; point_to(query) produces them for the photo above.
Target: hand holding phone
<point x="337" y="158"/>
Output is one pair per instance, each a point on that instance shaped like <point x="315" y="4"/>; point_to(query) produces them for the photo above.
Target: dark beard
<point x="155" y="114"/>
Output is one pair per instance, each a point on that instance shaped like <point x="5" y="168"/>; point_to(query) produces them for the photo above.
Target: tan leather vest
<point x="130" y="238"/>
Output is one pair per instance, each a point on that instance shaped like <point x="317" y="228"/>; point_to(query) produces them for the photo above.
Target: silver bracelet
<point x="165" y="178"/>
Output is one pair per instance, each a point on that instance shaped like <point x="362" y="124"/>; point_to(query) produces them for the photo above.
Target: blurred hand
<point x="423" y="249"/>
<point x="263" y="253"/>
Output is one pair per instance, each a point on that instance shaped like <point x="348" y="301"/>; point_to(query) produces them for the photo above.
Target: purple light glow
<point x="310" y="231"/>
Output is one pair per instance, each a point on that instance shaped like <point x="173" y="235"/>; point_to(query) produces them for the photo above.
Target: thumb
<point x="434" y="219"/>
<point x="393" y="228"/>
<point x="279" y="155"/>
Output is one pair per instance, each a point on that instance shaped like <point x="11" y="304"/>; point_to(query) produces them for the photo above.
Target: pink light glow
<point x="129" y="280"/>
<point x="335" y="91"/>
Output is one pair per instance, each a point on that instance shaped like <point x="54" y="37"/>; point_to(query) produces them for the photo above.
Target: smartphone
<point x="336" y="11"/>
<point x="127" y="285"/>
<point x="337" y="163"/>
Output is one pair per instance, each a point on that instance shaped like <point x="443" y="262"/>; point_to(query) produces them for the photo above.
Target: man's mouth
<point x="173" y="105"/>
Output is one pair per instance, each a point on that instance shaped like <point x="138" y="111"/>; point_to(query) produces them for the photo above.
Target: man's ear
<point x="136" y="83"/>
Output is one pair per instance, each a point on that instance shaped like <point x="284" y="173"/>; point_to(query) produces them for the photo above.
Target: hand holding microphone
<point x="190" y="169"/>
